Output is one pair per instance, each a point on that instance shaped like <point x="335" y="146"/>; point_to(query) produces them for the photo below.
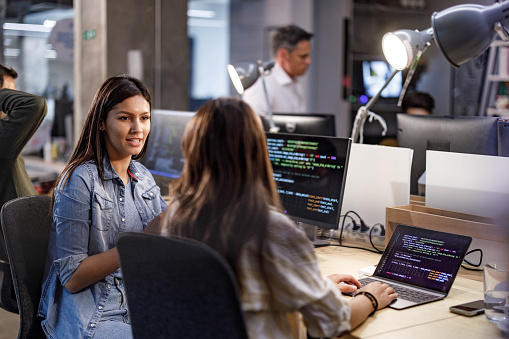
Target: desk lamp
<point x="402" y="49"/>
<point x="244" y="75"/>
<point x="461" y="32"/>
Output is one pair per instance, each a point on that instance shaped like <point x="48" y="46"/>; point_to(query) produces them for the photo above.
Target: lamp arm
<point x="375" y="98"/>
<point x="363" y="112"/>
<point x="501" y="31"/>
<point x="272" y="127"/>
<point x="411" y="73"/>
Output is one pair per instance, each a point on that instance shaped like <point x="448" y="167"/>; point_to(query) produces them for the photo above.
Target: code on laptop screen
<point x="423" y="257"/>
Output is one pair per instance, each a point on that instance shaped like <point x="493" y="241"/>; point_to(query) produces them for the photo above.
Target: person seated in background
<point x="101" y="193"/>
<point x="418" y="103"/>
<point x="226" y="197"/>
<point x="21" y="114"/>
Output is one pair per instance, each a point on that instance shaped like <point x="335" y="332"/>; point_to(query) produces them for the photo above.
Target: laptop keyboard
<point x="403" y="292"/>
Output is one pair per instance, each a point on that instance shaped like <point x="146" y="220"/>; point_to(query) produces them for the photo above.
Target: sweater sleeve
<point x="24" y="114"/>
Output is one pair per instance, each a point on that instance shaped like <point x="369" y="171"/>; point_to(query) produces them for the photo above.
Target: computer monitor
<point x="460" y="134"/>
<point x="164" y="154"/>
<point x="311" y="124"/>
<point x="310" y="172"/>
<point x="369" y="75"/>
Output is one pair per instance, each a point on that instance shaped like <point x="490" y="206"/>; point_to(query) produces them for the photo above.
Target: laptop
<point x="420" y="264"/>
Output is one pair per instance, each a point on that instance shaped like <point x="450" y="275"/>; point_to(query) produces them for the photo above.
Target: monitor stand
<point x="311" y="233"/>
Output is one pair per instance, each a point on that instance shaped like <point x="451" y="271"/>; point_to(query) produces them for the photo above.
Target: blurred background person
<point x="418" y="103"/>
<point x="291" y="48"/>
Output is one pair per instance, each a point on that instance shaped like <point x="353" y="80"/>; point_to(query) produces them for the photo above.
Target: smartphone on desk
<point x="469" y="309"/>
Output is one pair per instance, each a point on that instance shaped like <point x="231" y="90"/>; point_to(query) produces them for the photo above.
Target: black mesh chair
<point x="178" y="288"/>
<point x="26" y="224"/>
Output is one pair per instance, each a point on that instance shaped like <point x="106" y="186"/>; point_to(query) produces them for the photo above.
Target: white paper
<point x="377" y="177"/>
<point x="468" y="183"/>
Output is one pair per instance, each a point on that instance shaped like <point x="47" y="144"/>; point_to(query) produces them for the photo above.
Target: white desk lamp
<point x="244" y="75"/>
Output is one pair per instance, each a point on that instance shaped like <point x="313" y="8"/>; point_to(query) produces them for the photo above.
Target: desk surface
<point x="431" y="320"/>
<point x="40" y="170"/>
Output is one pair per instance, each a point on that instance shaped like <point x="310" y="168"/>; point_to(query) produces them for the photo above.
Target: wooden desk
<point x="431" y="320"/>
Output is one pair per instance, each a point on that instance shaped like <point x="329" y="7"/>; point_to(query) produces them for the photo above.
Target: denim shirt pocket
<point x="103" y="212"/>
<point x="151" y="197"/>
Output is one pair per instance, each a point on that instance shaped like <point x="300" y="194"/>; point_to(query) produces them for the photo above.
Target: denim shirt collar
<point x="110" y="173"/>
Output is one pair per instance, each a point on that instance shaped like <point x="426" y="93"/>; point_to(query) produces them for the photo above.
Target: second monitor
<point x="164" y="157"/>
<point x="310" y="172"/>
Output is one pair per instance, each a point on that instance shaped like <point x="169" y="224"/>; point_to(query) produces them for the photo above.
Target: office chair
<point x="26" y="224"/>
<point x="178" y="288"/>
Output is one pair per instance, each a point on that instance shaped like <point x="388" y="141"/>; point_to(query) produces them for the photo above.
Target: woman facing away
<point x="226" y="197"/>
<point x="101" y="193"/>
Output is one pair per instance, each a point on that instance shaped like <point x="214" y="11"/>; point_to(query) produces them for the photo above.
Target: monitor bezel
<point x="330" y="119"/>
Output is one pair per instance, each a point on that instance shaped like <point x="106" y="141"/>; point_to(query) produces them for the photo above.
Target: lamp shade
<point x="462" y="32"/>
<point x="401" y="47"/>
<point x="243" y="75"/>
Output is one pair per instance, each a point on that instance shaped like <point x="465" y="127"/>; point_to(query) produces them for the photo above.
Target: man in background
<point x="20" y="116"/>
<point x="291" y="48"/>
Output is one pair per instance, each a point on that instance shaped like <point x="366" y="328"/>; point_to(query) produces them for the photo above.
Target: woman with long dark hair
<point x="226" y="198"/>
<point x="101" y="193"/>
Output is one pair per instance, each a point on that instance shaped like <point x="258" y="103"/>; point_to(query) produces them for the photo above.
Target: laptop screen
<point x="423" y="258"/>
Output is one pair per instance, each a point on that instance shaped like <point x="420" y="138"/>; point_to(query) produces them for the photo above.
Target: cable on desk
<point x="363" y="228"/>
<point x="473" y="265"/>
<point x="371" y="240"/>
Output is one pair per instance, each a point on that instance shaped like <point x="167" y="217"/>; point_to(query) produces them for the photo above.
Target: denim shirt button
<point x="141" y="212"/>
<point x="92" y="325"/>
<point x="151" y="194"/>
<point x="123" y="219"/>
<point x="100" y="307"/>
<point x="109" y="286"/>
<point x="136" y="174"/>
<point x="121" y="199"/>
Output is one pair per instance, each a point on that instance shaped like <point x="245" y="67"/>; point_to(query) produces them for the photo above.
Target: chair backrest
<point x="26" y="224"/>
<point x="178" y="288"/>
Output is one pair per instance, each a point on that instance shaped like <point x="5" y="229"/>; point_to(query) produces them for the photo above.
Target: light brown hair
<point x="226" y="188"/>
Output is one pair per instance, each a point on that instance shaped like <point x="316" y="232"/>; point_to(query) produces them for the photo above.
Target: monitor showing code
<point x="310" y="173"/>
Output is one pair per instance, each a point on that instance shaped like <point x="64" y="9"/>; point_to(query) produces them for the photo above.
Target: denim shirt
<point x="87" y="219"/>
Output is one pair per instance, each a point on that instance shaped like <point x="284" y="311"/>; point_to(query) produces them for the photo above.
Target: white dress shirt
<point x="285" y="94"/>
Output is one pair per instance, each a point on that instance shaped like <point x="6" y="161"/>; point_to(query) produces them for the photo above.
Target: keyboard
<point x="404" y="292"/>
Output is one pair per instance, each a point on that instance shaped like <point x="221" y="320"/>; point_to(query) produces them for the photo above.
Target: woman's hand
<point x="345" y="283"/>
<point x="383" y="293"/>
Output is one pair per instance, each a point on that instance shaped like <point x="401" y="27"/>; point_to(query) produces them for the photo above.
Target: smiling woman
<point x="101" y="193"/>
<point x="125" y="131"/>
